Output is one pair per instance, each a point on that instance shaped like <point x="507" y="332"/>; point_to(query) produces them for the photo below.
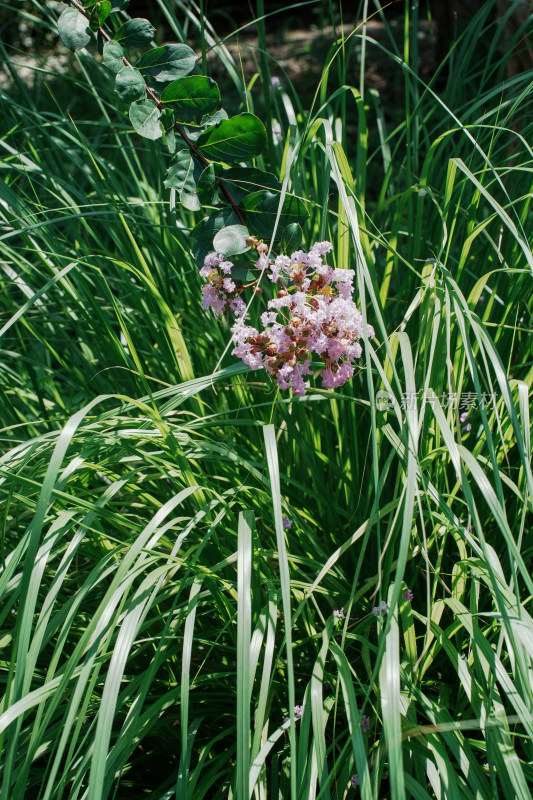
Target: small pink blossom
<point x="339" y="614"/>
<point x="408" y="595"/>
<point x="287" y="523"/>
<point x="298" y="711"/>
<point x="381" y="609"/>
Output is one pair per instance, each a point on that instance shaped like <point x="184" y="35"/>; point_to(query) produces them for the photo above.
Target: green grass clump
<point x="158" y="622"/>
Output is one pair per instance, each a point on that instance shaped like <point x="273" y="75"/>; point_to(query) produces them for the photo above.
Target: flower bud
<point x="261" y="247"/>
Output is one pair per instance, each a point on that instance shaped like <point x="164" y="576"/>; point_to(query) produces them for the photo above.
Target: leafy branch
<point x="164" y="97"/>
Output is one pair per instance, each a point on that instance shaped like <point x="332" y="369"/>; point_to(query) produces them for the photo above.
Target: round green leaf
<point x="167" y="63"/>
<point x="291" y="238"/>
<point x="144" y="116"/>
<point x="202" y="235"/>
<point x="234" y="139"/>
<point x="191" y="97"/>
<point x="130" y="84"/>
<point x="113" y="56"/>
<point x="231" y="240"/>
<point x="72" y="29"/>
<point x="135" y="32"/>
<point x="261" y="209"/>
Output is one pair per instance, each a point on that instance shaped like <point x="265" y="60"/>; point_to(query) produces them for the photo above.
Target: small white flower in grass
<point x="467" y="427"/>
<point x="274" y="81"/>
<point x="298" y="711"/>
<point x="276" y="129"/>
<point x="464" y="416"/>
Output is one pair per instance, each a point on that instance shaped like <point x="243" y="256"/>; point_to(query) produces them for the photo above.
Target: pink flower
<point x="408" y="595"/>
<point x="339" y="614"/>
<point x="298" y="711"/>
<point x="313" y="314"/>
<point x="287" y="523"/>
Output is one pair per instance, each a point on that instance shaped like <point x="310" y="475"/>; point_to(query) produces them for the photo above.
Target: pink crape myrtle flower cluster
<point x="313" y="313"/>
<point x="221" y="292"/>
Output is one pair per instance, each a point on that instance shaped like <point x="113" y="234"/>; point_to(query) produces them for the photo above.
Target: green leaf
<point x="193" y="132"/>
<point x="166" y="121"/>
<point x="119" y="5"/>
<point x="183" y="175"/>
<point x="168" y="63"/>
<point x="208" y="187"/>
<point x="234" y="139"/>
<point x="130" y="85"/>
<point x="241" y="181"/>
<point x="135" y="32"/>
<point x="191" y="97"/>
<point x="261" y="209"/>
<point x="204" y="233"/>
<point x="231" y="240"/>
<point x="99" y="14"/>
<point x="144" y="116"/>
<point x="214" y="119"/>
<point x="72" y="29"/>
<point x="291" y="238"/>
<point x="113" y="56"/>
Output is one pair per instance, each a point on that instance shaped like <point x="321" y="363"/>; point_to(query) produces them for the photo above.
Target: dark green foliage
<point x="167" y="63"/>
<point x="135" y="32"/>
<point x="192" y="97"/>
